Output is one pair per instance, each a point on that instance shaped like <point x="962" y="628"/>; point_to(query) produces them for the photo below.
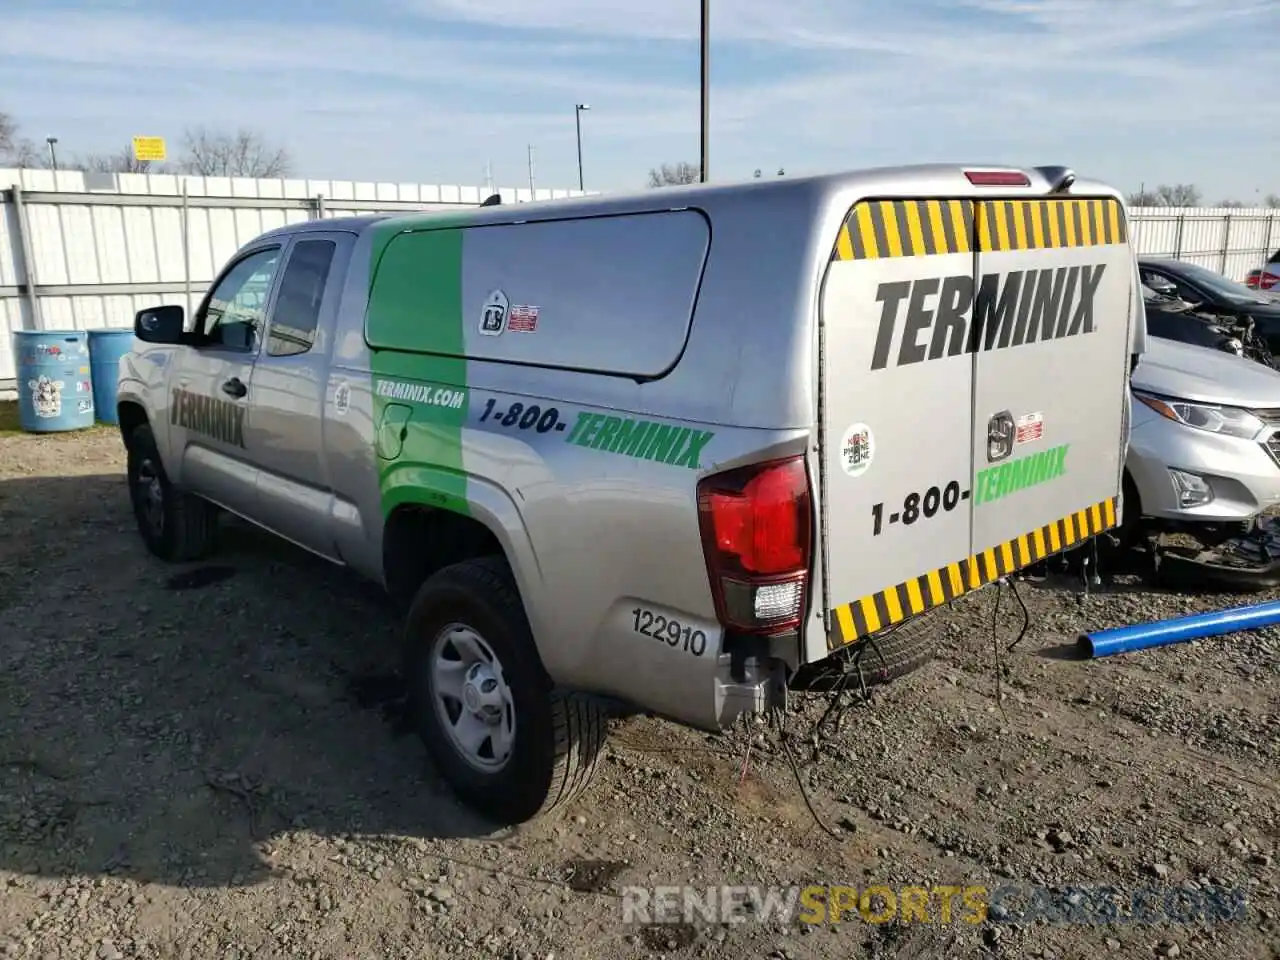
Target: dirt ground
<point x="209" y="762"/>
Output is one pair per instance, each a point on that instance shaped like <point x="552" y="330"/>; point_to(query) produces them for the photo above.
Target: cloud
<point x="152" y="48"/>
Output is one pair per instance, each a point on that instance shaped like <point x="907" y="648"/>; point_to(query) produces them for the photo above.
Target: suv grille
<point x="1271" y="417"/>
<point x="1272" y="446"/>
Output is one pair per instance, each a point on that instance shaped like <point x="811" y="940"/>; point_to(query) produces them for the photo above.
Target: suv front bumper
<point x="1243" y="475"/>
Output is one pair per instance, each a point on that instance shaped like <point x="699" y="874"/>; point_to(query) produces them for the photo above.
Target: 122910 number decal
<point x="917" y="506"/>
<point x="669" y="631"/>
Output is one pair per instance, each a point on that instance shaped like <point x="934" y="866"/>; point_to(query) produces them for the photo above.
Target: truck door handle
<point x="235" y="388"/>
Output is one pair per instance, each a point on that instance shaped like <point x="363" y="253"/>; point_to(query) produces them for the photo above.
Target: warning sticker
<point x="1029" y="427"/>
<point x="522" y="318"/>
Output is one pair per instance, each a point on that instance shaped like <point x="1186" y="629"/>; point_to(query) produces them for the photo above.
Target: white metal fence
<point x="84" y="250"/>
<point x="1229" y="240"/>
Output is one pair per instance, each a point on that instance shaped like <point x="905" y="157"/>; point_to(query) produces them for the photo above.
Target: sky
<point x="439" y="91"/>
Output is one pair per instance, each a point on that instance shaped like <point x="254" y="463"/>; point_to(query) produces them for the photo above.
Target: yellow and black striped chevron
<point x="851" y="621"/>
<point x="876" y="229"/>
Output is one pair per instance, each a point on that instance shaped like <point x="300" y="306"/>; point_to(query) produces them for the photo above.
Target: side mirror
<point x="159" y="324"/>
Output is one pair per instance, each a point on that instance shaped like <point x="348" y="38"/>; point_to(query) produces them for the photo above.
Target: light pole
<point x="577" y="122"/>
<point x="704" y="164"/>
<point x="53" y="153"/>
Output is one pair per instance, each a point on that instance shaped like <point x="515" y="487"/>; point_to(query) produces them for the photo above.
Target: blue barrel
<point x="106" y="347"/>
<point x="55" y="388"/>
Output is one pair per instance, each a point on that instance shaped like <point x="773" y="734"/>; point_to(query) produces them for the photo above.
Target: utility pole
<point x="532" y="195"/>
<point x="704" y="165"/>
<point x="53" y="153"/>
<point x="488" y="176"/>
<point x="577" y="122"/>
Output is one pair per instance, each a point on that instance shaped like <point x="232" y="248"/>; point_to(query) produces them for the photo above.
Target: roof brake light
<point x="998" y="178"/>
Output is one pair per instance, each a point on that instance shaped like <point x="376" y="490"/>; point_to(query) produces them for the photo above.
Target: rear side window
<point x="607" y="294"/>
<point x="297" y="307"/>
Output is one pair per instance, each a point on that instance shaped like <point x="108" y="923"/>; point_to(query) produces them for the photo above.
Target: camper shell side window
<point x="610" y="294"/>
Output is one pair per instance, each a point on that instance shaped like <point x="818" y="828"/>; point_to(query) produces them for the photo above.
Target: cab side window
<point x="1161" y="283"/>
<point x="234" y="314"/>
<point x="1187" y="292"/>
<point x="1156" y="281"/>
<point x="297" y="309"/>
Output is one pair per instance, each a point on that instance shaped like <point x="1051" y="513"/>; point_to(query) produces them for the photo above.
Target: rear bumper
<point x="1243" y="476"/>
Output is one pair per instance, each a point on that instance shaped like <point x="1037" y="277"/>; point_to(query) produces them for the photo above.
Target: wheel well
<point x="1131" y="496"/>
<point x="418" y="540"/>
<point x="132" y="416"/>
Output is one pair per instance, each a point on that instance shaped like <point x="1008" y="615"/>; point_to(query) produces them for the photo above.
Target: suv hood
<point x="1188" y="372"/>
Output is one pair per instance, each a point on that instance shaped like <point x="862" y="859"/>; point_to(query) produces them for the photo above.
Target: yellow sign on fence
<point x="148" y="148"/>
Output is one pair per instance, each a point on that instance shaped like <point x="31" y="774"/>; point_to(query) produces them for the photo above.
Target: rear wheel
<point x="508" y="743"/>
<point x="174" y="525"/>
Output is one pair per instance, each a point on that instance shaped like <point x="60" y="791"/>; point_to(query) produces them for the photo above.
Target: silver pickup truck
<point x="666" y="449"/>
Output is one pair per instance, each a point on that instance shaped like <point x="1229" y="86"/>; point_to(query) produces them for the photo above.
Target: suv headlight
<point x="1230" y="421"/>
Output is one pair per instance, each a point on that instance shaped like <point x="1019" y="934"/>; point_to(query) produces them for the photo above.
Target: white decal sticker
<point x="1030" y="427"/>
<point x="493" y="319"/>
<point x="857" y="449"/>
<point x="342" y="398"/>
<point x="46" y="396"/>
<point x="522" y="318"/>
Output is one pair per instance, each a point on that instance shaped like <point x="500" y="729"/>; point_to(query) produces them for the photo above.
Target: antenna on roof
<point x="493" y="200"/>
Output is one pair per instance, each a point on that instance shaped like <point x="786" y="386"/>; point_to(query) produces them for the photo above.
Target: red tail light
<point x="757" y="538"/>
<point x="1263" y="280"/>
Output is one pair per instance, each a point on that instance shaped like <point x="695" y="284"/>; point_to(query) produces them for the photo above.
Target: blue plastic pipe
<point x="1161" y="633"/>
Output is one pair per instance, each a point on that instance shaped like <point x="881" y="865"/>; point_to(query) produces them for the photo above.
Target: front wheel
<point x="174" y="525"/>
<point x="508" y="743"/>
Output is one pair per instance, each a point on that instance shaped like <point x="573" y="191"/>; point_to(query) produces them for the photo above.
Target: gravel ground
<point x="210" y="762"/>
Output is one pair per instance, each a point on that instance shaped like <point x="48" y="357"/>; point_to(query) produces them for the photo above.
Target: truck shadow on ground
<point x="170" y="724"/>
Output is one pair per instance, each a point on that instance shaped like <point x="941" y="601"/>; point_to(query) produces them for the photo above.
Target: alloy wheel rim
<point x="472" y="698"/>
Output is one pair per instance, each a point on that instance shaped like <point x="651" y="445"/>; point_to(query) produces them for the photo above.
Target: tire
<point x="903" y="651"/>
<point x="1129" y="533"/>
<point x="892" y="655"/>
<point x="558" y="737"/>
<point x="176" y="526"/>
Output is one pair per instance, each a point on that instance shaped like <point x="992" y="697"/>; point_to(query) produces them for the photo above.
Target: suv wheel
<point x="175" y="526"/>
<point x="509" y="744"/>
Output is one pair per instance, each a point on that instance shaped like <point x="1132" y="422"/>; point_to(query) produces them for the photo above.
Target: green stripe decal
<point x="415" y="302"/>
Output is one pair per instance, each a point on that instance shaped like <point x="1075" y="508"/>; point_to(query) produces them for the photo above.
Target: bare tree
<point x="1179" y="195"/>
<point x="8" y="134"/>
<point x="1271" y="200"/>
<point x="1232" y="204"/>
<point x="27" y="155"/>
<point x="15" y="150"/>
<point x="239" y="154"/>
<point x="121" y="161"/>
<point x="674" y="174"/>
<point x="1168" y="195"/>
